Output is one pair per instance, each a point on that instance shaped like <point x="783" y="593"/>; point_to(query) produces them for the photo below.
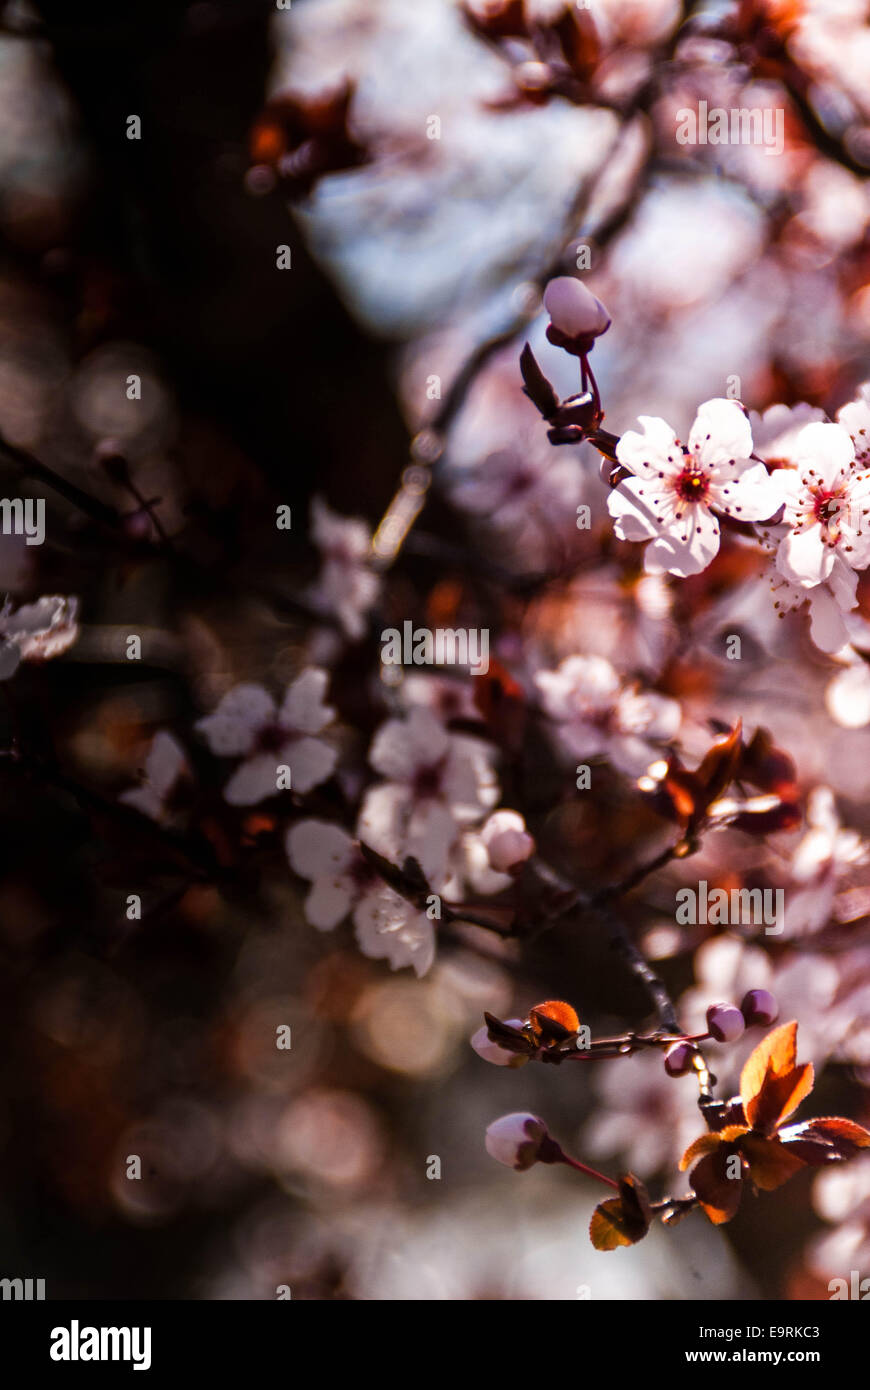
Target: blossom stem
<point x="590" y="1172"/>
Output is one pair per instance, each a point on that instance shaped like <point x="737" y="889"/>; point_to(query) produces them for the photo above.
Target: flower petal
<point x="686" y="549"/>
<point x="317" y="847"/>
<point x="253" y="780"/>
<point x="232" y="728"/>
<point x="803" y="558"/>
<point x="634" y="518"/>
<point x="721" y="432"/>
<point x="303" y="709"/>
<point x="310" y="761"/>
<point x="653" y="452"/>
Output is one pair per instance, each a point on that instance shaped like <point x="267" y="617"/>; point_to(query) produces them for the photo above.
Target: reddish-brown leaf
<point x="716" y="769"/>
<point x="826" y="1140"/>
<point x="767" y="767"/>
<point x="709" y="1142"/>
<point x="771" y="1084"/>
<point x="835" y="1128"/>
<point x="718" y="1194"/>
<point x="770" y="1163"/>
<point x="622" y="1220"/>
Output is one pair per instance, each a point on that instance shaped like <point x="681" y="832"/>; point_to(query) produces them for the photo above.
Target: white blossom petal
<point x="233" y="727"/>
<point x="721" y="432"/>
<point x="303" y="708"/>
<point x="803" y="558"/>
<point x="253" y="781"/>
<point x="310" y="761"/>
<point x="317" y="847"/>
<point x="687" y="549"/>
<point x="653" y="452"/>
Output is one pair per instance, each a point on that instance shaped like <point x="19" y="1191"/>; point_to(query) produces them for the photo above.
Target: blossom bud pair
<point x="727" y="1023"/>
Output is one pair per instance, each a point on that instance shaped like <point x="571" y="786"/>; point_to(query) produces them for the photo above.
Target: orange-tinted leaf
<point x="768" y="767"/>
<point x="681" y="788"/>
<point x="779" y="1049"/>
<point x="771" y="1085"/>
<point x="781" y="1096"/>
<point x="834" y="1127"/>
<point x="716" y="769"/>
<point x="770" y="1163"/>
<point x="708" y="1142"/>
<point x="622" y="1220"/>
<point x="718" y="1194"/>
<point x="826" y="1140"/>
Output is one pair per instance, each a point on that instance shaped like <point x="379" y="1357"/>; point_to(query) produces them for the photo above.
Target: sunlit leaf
<point x="622" y="1220"/>
<point x="718" y="1194"/>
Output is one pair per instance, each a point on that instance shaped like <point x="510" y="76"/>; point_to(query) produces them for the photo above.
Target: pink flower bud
<point x="507" y="842"/>
<point x="725" y="1023"/>
<point x="575" y="314"/>
<point x="759" y="1007"/>
<point x="516" y="1140"/>
<point x="678" y="1059"/>
<point x="491" y="1052"/>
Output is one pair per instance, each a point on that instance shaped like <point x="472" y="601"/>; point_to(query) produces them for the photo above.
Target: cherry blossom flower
<point x="598" y="716"/>
<point x="671" y="498"/>
<point x="481" y="860"/>
<point x="827" y="503"/>
<point x="776" y="430"/>
<point x="514" y="485"/>
<point x="436" y="784"/>
<point x="347" y="585"/>
<point x="166" y="765"/>
<point x="446" y="696"/>
<point x="248" y="724"/>
<point x="36" y="631"/>
<point x="343" y="882"/>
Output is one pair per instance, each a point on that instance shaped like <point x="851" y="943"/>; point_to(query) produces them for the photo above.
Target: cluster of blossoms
<point x="801" y="491"/>
<point x="434" y="803"/>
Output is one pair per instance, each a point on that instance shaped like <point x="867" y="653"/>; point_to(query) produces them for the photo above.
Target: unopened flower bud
<point x="678" y="1059"/>
<point x="516" y="1140"/>
<point x="759" y="1007"/>
<point x="507" y="842"/>
<point x="577" y="318"/>
<point x="491" y="1052"/>
<point x="725" y="1022"/>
